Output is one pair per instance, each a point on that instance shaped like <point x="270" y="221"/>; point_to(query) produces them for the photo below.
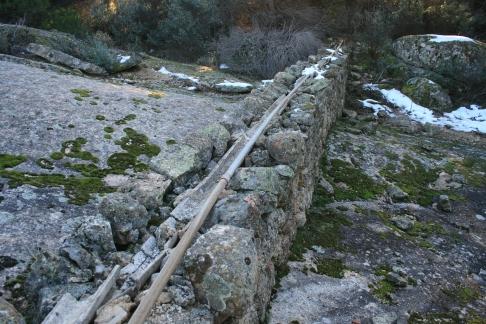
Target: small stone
<point x="165" y="231"/>
<point x="350" y="113"/>
<point x="149" y="189"/>
<point x="126" y="216"/>
<point x="324" y="184"/>
<point x="269" y="179"/>
<point x="404" y="223"/>
<point x="164" y="298"/>
<point x="396" y="194"/>
<point x="8" y="313"/>
<point x="286" y="147"/>
<point x="396" y="279"/>
<point x="182" y="294"/>
<point x="116" y="311"/>
<point x="444" y="204"/>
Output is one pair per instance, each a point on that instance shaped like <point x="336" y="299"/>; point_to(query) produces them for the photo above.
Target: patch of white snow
<point x="122" y="59"/>
<point x="227" y="83"/>
<point x="180" y="76"/>
<point x="223" y="66"/>
<point x="449" y="38"/>
<point x="314" y="70"/>
<point x="377" y="107"/>
<point x="464" y="119"/>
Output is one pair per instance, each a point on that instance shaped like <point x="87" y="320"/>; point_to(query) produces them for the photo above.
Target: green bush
<point x="97" y="52"/>
<point x="29" y="11"/>
<point x="66" y="20"/>
<point x="170" y="26"/>
<point x="449" y="17"/>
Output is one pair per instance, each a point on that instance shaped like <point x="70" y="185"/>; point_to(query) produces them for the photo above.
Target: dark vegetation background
<point x="257" y="37"/>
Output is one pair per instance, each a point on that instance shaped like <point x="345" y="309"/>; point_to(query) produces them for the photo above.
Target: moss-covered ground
<point x="79" y="189"/>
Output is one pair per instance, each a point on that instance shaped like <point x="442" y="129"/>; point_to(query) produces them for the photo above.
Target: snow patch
<point x="227" y="83"/>
<point x="224" y="66"/>
<point x="180" y="76"/>
<point x="377" y="107"/>
<point x="464" y="119"/>
<point x="123" y="59"/>
<point x="314" y="70"/>
<point x="319" y="71"/>
<point x="449" y="38"/>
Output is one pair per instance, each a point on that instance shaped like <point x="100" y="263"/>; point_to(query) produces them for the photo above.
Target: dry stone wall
<point x="229" y="272"/>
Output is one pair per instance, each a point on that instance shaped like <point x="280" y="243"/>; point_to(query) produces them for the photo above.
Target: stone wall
<point x="229" y="272"/>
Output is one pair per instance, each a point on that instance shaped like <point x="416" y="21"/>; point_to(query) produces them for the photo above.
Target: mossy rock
<point x="461" y="59"/>
<point x="428" y="94"/>
<point x="15" y="37"/>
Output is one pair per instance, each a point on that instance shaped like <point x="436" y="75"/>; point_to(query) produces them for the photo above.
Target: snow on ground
<point x="223" y="66"/>
<point x="265" y="83"/>
<point x="180" y="76"/>
<point x="465" y="119"/>
<point x="317" y="70"/>
<point x="122" y="59"/>
<point x="314" y="69"/>
<point x="227" y="83"/>
<point x="377" y="107"/>
<point x="449" y="38"/>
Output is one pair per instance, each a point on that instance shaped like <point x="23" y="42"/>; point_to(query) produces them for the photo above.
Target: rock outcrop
<point x="8" y="313"/>
<point x="58" y="57"/>
<point x="64" y="49"/>
<point x="459" y="58"/>
<point x="126" y="215"/>
<point x="428" y="94"/>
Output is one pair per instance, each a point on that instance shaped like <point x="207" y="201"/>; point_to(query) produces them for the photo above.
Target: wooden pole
<point x="178" y="252"/>
<point x="175" y="257"/>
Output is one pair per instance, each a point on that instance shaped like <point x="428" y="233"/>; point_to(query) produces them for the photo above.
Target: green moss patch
<point x="139" y="101"/>
<point x="100" y="117"/>
<point x="10" y="161"/>
<point x="473" y="169"/>
<point x="119" y="162"/>
<point x="137" y="144"/>
<point x="73" y="149"/>
<point x="330" y="267"/>
<point x="383" y="291"/>
<point x="414" y="179"/>
<point x="359" y="185"/>
<point x="126" y="119"/>
<point x="109" y="129"/>
<point x="77" y="189"/>
<point x="323" y="228"/>
<point x="426" y="229"/>
<point x="57" y="155"/>
<point x="382" y="270"/>
<point x="171" y="142"/>
<point x="463" y="295"/>
<point x="45" y="164"/>
<point x="80" y="188"/>
<point x="83" y="93"/>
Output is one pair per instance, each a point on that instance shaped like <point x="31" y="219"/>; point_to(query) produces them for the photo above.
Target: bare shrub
<point x="265" y="52"/>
